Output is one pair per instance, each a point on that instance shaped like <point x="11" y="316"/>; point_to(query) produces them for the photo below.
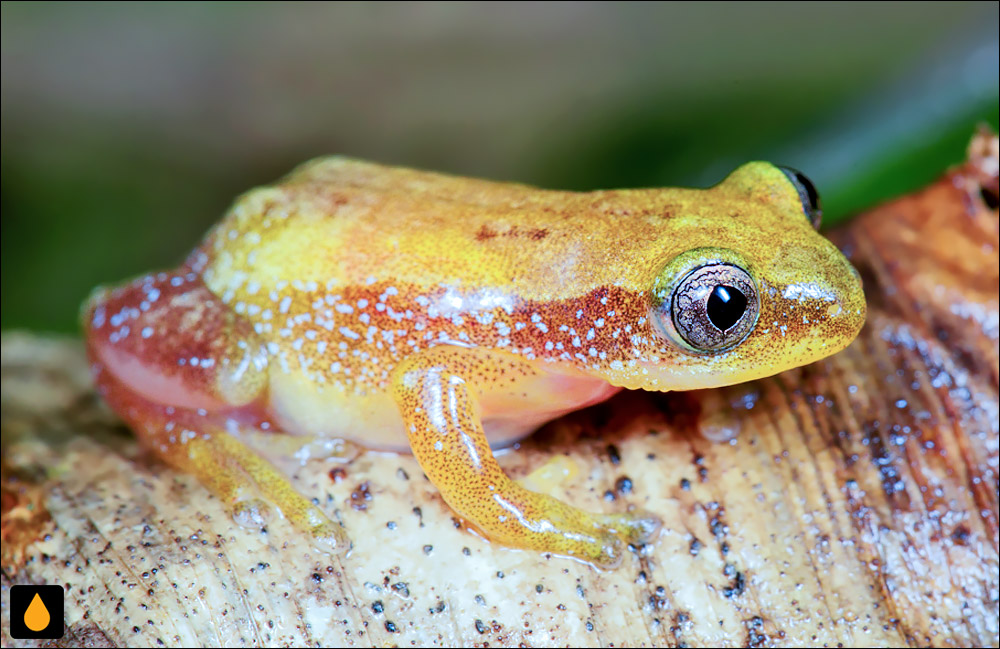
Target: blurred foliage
<point x="128" y="129"/>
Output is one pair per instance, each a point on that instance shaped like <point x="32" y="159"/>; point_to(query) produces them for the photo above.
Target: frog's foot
<point x="250" y="486"/>
<point x="442" y="416"/>
<point x="547" y="524"/>
<point x="233" y="472"/>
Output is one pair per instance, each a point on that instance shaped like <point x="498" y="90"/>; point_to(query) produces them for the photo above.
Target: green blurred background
<point x="128" y="129"/>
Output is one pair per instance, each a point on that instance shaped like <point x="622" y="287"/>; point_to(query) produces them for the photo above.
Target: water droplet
<point x="37" y="616"/>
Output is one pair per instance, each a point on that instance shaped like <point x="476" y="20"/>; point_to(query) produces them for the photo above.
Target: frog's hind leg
<point x="436" y="391"/>
<point x="175" y="363"/>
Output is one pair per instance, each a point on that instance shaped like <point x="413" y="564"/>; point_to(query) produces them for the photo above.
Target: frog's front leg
<point x="437" y="393"/>
<point x="185" y="372"/>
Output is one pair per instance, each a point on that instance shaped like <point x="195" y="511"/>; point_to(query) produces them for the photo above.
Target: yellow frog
<point x="411" y="310"/>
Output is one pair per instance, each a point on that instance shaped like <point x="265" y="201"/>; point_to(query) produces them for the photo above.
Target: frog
<point x="449" y="317"/>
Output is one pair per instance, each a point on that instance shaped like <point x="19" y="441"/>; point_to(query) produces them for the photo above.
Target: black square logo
<point x="37" y="612"/>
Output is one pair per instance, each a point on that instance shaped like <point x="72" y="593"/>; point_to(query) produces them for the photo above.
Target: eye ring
<point x="714" y="307"/>
<point x="807" y="195"/>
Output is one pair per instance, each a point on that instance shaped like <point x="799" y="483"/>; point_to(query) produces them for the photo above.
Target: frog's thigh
<point x="174" y="342"/>
<point x="437" y="393"/>
<point x="179" y="409"/>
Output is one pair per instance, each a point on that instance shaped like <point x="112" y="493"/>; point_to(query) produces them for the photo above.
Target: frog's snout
<point x="850" y="306"/>
<point x="817" y="305"/>
<point x="839" y="302"/>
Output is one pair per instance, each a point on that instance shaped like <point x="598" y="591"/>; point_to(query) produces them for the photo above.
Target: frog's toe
<point x="605" y="550"/>
<point x="636" y="527"/>
<point x="252" y="513"/>
<point x="328" y="537"/>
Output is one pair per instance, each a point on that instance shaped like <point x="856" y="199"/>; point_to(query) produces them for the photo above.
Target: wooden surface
<point x="850" y="502"/>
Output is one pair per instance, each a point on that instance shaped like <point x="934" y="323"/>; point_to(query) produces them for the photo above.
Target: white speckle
<point x="807" y="292"/>
<point x="147" y="332"/>
<point x="286" y="304"/>
<point x="348" y="333"/>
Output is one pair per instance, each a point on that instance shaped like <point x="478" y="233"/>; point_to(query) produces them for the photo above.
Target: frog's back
<point x="346" y="268"/>
<point x="341" y="222"/>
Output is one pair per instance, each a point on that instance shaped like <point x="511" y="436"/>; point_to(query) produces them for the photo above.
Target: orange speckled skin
<point x="402" y="308"/>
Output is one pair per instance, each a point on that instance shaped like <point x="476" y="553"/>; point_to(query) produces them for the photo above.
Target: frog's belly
<point x="373" y="420"/>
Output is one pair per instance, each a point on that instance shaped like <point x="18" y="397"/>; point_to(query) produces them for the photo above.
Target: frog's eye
<point x="714" y="307"/>
<point x="807" y="194"/>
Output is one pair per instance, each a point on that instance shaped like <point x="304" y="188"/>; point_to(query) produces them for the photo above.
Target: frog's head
<point x="755" y="290"/>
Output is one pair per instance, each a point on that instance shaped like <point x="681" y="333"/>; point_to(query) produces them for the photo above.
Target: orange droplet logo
<point x="37" y="616"/>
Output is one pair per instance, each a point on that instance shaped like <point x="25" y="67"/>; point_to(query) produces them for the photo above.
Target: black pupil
<point x="726" y="305"/>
